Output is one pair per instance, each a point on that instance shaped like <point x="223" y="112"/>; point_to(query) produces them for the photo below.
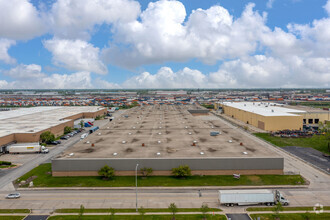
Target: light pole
<point x="136" y="186"/>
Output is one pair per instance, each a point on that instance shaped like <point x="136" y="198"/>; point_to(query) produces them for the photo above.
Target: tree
<point x="98" y="117"/>
<point x="204" y="210"/>
<point x="145" y="171"/>
<point x="81" y="212"/>
<point x="181" y="171"/>
<point x="112" y="212"/>
<point x="81" y="123"/>
<point x="173" y="209"/>
<point x="278" y="208"/>
<point x="67" y="129"/>
<point x="47" y="137"/>
<point x="142" y="211"/>
<point x="107" y="172"/>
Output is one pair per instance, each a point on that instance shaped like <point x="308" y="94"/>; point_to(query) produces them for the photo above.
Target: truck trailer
<point x="26" y="148"/>
<point x="251" y="197"/>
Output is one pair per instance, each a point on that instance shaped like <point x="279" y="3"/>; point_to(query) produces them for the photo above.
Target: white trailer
<point x="26" y="148"/>
<point x="251" y="197"/>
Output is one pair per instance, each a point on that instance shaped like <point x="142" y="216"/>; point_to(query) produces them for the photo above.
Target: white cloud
<point x="31" y="77"/>
<point x="76" y="55"/>
<point x="103" y="84"/>
<point x="162" y="35"/>
<point x="270" y="3"/>
<point x="25" y="72"/>
<point x="20" y="20"/>
<point x="76" y="18"/>
<point x="166" y="78"/>
<point x="327" y="7"/>
<point x="5" y="44"/>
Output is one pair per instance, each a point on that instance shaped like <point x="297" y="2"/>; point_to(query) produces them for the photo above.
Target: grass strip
<point x="11" y="217"/>
<point x="134" y="217"/>
<point x="42" y="178"/>
<point x="310" y="208"/>
<point x="318" y="142"/>
<point x="11" y="211"/>
<point x="290" y="216"/>
<point x="132" y="210"/>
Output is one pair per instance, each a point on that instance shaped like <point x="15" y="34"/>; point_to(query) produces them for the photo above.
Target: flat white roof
<point x="262" y="191"/>
<point x="35" y="119"/>
<point x="264" y="108"/>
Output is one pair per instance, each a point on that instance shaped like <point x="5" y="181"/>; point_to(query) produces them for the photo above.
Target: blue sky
<point x="164" y="44"/>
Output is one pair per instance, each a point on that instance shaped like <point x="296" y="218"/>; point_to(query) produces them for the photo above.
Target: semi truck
<point x="26" y="148"/>
<point x="251" y="197"/>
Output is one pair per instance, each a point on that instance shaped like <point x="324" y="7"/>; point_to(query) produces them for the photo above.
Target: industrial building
<point x="163" y="137"/>
<point x="26" y="124"/>
<point x="273" y="116"/>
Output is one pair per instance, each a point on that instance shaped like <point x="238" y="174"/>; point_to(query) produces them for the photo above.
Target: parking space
<point x="238" y="217"/>
<point x="310" y="155"/>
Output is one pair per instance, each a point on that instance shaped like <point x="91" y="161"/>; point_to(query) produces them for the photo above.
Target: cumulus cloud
<point x="162" y="35"/>
<point x="76" y="18"/>
<point x="166" y="78"/>
<point x="327" y="7"/>
<point x="5" y="44"/>
<point x="20" y="20"/>
<point x="23" y="71"/>
<point x="76" y="55"/>
<point x="31" y="77"/>
<point x="270" y="3"/>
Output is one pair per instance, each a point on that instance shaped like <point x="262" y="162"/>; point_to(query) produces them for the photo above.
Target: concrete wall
<point x="163" y="166"/>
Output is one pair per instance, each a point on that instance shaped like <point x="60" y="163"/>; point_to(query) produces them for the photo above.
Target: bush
<point x="47" y="137"/>
<point x="181" y="171"/>
<point x="107" y="172"/>
<point x="5" y="163"/>
<point x="67" y="129"/>
<point x="146" y="171"/>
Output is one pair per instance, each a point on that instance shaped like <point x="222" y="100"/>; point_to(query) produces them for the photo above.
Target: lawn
<point x="317" y="142"/>
<point x="134" y="217"/>
<point x="290" y="216"/>
<point x="7" y="166"/>
<point x="12" y="217"/>
<point x="257" y="209"/>
<point x="132" y="210"/>
<point x="14" y="211"/>
<point x="42" y="178"/>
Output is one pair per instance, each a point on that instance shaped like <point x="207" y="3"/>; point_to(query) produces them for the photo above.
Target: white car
<point x="13" y="196"/>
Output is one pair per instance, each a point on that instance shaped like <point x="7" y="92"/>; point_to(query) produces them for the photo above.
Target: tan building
<point x="26" y="124"/>
<point x="272" y="116"/>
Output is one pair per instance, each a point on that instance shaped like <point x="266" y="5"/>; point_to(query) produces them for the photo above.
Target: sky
<point x="127" y="44"/>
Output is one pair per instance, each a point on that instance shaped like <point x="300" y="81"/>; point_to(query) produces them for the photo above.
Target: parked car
<point x="64" y="137"/>
<point x="53" y="143"/>
<point x="13" y="196"/>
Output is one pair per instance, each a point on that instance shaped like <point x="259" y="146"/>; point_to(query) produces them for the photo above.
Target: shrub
<point x="47" y="137"/>
<point x="5" y="163"/>
<point x="181" y="171"/>
<point x="81" y="212"/>
<point x="67" y="129"/>
<point x="204" y="210"/>
<point x="107" y="172"/>
<point x="145" y="171"/>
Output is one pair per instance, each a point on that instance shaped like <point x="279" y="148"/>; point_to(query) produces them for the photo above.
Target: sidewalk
<point x="170" y="188"/>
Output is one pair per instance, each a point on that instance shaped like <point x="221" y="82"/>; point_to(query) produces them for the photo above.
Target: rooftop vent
<point x="114" y="154"/>
<point x="272" y="110"/>
<point x="201" y="153"/>
<point x="124" y="142"/>
<point x="189" y="133"/>
<point x="245" y="153"/>
<point x="159" y="133"/>
<point x="159" y="142"/>
<point x="230" y="141"/>
<point x="158" y="153"/>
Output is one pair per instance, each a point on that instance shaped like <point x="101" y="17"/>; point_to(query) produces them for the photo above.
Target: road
<point x="45" y="201"/>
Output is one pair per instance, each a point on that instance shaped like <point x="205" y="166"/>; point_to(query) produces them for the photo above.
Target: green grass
<point x="132" y="210"/>
<point x="45" y="179"/>
<point x="134" y="217"/>
<point x="7" y="166"/>
<point x="12" y="217"/>
<point x="319" y="104"/>
<point x="290" y="216"/>
<point x="310" y="208"/>
<point x="14" y="211"/>
<point x="317" y="142"/>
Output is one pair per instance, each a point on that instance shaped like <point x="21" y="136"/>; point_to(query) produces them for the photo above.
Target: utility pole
<point x="136" y="186"/>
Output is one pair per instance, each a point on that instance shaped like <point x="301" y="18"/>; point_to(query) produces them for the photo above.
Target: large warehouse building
<point x="272" y="116"/>
<point x="162" y="137"/>
<point x="26" y="124"/>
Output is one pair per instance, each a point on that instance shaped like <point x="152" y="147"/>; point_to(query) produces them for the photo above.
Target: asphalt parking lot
<point x="310" y="155"/>
<point x="36" y="217"/>
<point x="238" y="217"/>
